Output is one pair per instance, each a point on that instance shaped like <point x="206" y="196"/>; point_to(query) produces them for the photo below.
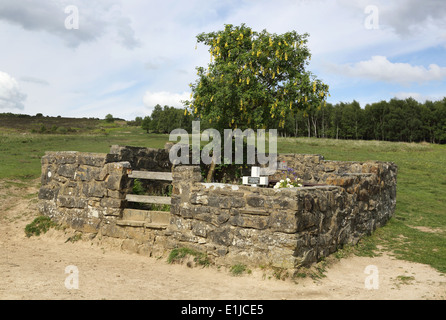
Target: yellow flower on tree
<point x="271" y="73"/>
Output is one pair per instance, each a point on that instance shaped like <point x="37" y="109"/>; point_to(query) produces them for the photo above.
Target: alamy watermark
<point x="256" y="146"/>
<point x="372" y="280"/>
<point x="72" y="20"/>
<point x="371" y="22"/>
<point x="72" y="280"/>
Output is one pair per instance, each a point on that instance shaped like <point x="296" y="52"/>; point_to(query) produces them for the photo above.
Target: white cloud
<point x="418" y="96"/>
<point x="163" y="98"/>
<point x="117" y="87"/>
<point x="10" y="95"/>
<point x="379" y="68"/>
<point x="91" y="72"/>
<point x="95" y="20"/>
<point x="404" y="17"/>
<point x="34" y="80"/>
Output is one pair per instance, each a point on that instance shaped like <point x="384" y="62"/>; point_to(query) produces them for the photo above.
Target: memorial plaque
<point x="253" y="180"/>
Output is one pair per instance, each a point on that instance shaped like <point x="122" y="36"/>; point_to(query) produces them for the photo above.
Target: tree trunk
<point x="314" y="120"/>
<point x="210" y="176"/>
<point x="309" y="127"/>
<point x="297" y="127"/>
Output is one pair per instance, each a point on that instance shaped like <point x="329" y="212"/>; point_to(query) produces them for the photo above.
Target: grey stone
<point x="67" y="170"/>
<point x="254" y="201"/>
<point x="71" y="202"/>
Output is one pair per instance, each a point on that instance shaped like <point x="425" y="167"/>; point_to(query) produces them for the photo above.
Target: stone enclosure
<point x="232" y="223"/>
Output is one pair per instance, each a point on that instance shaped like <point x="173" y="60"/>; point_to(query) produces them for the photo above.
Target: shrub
<point x="109" y="118"/>
<point x="62" y="130"/>
<point x="39" y="225"/>
<point x="138" y="187"/>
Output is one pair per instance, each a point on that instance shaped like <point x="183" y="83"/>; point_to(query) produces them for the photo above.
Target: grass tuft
<point x="179" y="255"/>
<point x="39" y="225"/>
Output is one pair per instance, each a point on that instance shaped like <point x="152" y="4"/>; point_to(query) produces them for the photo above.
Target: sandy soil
<point x="34" y="268"/>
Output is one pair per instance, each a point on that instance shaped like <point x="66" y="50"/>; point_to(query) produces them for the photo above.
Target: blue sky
<point x="127" y="56"/>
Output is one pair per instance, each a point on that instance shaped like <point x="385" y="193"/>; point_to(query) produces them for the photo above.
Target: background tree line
<point x="164" y="120"/>
<point x="395" y="120"/>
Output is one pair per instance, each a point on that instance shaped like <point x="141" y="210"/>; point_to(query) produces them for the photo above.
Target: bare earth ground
<point x="34" y="268"/>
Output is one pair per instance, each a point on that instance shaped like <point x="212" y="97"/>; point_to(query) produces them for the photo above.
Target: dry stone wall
<point x="81" y="189"/>
<point x="231" y="223"/>
<point x="282" y="227"/>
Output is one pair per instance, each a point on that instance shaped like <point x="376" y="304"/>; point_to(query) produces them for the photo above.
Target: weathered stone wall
<point x="81" y="189"/>
<point x="232" y="223"/>
<point x="371" y="184"/>
<point x="282" y="227"/>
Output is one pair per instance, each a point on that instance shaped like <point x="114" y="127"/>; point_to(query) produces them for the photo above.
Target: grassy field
<point x="416" y="233"/>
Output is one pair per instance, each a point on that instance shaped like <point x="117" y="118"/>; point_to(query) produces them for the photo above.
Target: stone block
<point x="160" y="217"/>
<point x="91" y="159"/>
<point x="48" y="192"/>
<point x="115" y="182"/>
<point x="237" y="202"/>
<point x="201" y="229"/>
<point x="255" y="201"/>
<point x="70" y="188"/>
<point x="71" y="202"/>
<point x="283" y="221"/>
<point x="87" y="173"/>
<point x="113" y="230"/>
<point x="249" y="221"/>
<point x="308" y="221"/>
<point x="87" y="225"/>
<point x="94" y="189"/>
<point x="65" y="157"/>
<point x="67" y="170"/>
<point x="48" y="172"/>
<point x="221" y="236"/>
<point x="285" y="203"/>
<point x="112" y="202"/>
<point x="114" y="168"/>
<point x="308" y="202"/>
<point x="199" y="198"/>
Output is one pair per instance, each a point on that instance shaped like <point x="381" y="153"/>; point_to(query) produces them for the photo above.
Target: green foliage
<point x="62" y="130"/>
<point x="254" y="79"/>
<point x="165" y="119"/>
<point x="138" y="187"/>
<point x="238" y="269"/>
<point x="394" y="120"/>
<point x="109" y="118"/>
<point x="145" y="123"/>
<point x="177" y="256"/>
<point x="39" y="225"/>
<point x="137" y="122"/>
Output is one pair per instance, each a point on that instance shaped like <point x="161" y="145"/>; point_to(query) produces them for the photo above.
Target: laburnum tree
<point x="254" y="79"/>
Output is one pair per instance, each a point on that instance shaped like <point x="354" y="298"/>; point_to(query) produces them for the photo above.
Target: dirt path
<point x="34" y="268"/>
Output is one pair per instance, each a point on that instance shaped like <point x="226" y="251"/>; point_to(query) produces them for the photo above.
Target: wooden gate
<point x="147" y="218"/>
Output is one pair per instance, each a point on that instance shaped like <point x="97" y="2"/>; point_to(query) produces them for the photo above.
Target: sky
<point x="81" y="58"/>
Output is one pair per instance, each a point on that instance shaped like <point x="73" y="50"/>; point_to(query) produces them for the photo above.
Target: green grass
<point x="39" y="225"/>
<point x="20" y="153"/>
<point x="421" y="200"/>
<point x="177" y="255"/>
<point x="238" y="269"/>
